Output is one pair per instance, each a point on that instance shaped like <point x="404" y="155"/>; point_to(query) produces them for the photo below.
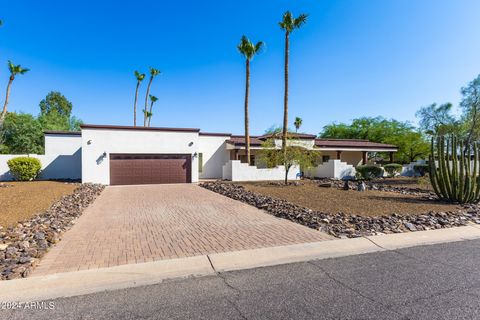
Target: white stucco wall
<point x="96" y="169"/>
<point x="234" y="170"/>
<point x="332" y="169"/>
<point x="53" y="166"/>
<point x="215" y="155"/>
<point x="63" y="144"/>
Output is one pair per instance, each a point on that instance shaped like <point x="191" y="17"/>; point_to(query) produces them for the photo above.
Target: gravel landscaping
<point x="328" y="196"/>
<point x="22" y="245"/>
<point x="349" y="225"/>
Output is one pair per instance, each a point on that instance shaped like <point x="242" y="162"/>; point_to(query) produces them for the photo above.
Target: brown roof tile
<point x="352" y="143"/>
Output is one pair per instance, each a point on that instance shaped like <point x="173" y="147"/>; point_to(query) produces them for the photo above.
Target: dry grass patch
<point x="332" y="200"/>
<point x="22" y="200"/>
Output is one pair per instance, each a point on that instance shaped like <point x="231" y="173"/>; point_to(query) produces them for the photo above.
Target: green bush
<point x="392" y="169"/>
<point x="421" y="169"/>
<point x="368" y="172"/>
<point x="24" y="168"/>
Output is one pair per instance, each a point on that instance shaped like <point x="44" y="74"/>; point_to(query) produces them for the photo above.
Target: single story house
<point x="120" y="155"/>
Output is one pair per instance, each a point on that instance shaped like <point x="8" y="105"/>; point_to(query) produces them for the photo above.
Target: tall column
<point x="364" y="157"/>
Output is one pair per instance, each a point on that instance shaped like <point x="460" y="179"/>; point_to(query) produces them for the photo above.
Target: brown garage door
<point x="149" y="168"/>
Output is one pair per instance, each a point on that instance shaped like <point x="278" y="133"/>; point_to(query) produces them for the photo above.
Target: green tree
<point x="438" y="120"/>
<point x="153" y="73"/>
<point x="55" y="102"/>
<point x="248" y="49"/>
<point x="14" y="71"/>
<point x="55" y="113"/>
<point x="297" y="123"/>
<point x="139" y="76"/>
<point x="153" y="99"/>
<point x="411" y="143"/>
<point x="470" y="105"/>
<point x="288" y="24"/>
<point x="21" y="134"/>
<point x="292" y="154"/>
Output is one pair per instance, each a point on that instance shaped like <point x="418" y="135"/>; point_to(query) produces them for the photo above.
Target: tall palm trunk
<point x="285" y="103"/>
<point x="146" y="102"/>
<point x="247" y="119"/>
<point x="135" y="105"/>
<point x="7" y="97"/>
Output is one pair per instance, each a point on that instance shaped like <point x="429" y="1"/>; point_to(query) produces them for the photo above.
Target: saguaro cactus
<point x="452" y="174"/>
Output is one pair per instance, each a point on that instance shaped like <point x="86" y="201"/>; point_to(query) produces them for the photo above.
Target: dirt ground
<point x="332" y="200"/>
<point x="420" y="182"/>
<point x="22" y="200"/>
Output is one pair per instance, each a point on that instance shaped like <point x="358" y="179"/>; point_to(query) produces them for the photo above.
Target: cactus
<point x="453" y="178"/>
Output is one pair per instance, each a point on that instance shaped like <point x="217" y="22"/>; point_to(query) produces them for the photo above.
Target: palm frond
<point x="300" y="21"/>
<point x="11" y="66"/>
<point x="248" y="49"/>
<point x="287" y="22"/>
<point x="154" y="72"/>
<point x="153" y="98"/>
<point x="259" y="47"/>
<point x="139" y="76"/>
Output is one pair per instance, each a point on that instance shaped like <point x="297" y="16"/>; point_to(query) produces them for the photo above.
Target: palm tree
<point x="153" y="73"/>
<point x="14" y="70"/>
<point x="153" y="99"/>
<point x="248" y="50"/>
<point x="140" y="77"/>
<point x="297" y="123"/>
<point x="289" y="24"/>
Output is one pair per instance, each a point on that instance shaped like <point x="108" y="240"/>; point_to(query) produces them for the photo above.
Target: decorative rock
<point x="21" y="246"/>
<point x="410" y="226"/>
<point x="344" y="225"/>
<point x="325" y="185"/>
<point x="361" y="186"/>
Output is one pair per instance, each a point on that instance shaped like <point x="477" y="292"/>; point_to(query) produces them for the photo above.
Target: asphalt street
<point x="428" y="282"/>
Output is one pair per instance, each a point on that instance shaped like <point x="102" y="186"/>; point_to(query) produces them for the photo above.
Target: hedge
<point x="368" y="172"/>
<point x="392" y="169"/>
<point x="24" y="168"/>
<point x="421" y="169"/>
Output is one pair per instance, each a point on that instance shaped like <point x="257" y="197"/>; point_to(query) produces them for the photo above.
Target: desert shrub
<point x="421" y="169"/>
<point x="368" y="172"/>
<point x="24" y="168"/>
<point x="392" y="169"/>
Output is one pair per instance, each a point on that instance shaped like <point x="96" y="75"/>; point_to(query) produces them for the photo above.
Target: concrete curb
<point x="96" y="280"/>
<point x="263" y="257"/>
<point x="133" y="275"/>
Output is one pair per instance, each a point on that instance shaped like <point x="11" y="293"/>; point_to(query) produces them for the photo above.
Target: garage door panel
<point x="149" y="169"/>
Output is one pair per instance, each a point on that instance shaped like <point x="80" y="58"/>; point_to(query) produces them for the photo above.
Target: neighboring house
<point x="137" y="155"/>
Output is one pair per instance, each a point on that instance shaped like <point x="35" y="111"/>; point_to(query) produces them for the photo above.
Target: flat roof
<point x="67" y="133"/>
<point x="140" y="128"/>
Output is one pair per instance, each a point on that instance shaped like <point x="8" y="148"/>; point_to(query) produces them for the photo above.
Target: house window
<point x="200" y="162"/>
<point x="325" y="158"/>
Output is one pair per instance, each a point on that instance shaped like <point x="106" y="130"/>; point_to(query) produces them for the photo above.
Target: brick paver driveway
<point x="133" y="224"/>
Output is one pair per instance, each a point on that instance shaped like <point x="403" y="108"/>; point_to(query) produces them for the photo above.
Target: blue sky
<point x="353" y="58"/>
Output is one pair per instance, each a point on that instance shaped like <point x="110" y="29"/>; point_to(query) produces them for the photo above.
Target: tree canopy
<point x="23" y="133"/>
<point x="412" y="144"/>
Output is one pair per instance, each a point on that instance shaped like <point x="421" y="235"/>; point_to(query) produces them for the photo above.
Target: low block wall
<point x="53" y="166"/>
<point x="234" y="170"/>
<point x="334" y="168"/>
